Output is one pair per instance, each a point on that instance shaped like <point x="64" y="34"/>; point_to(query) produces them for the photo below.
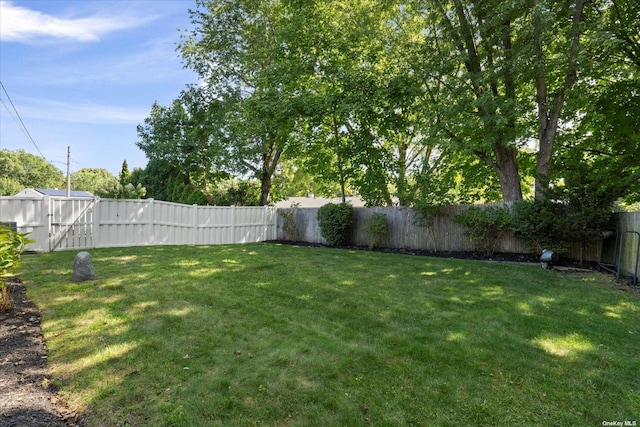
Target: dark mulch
<point x="562" y="265"/>
<point x="468" y="255"/>
<point x="27" y="398"/>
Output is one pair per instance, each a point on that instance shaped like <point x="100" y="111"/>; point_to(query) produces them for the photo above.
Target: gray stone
<point x="83" y="268"/>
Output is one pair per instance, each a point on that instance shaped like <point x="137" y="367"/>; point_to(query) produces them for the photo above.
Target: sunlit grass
<point x="265" y="334"/>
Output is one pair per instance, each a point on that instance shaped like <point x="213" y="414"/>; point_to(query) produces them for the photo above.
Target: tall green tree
<point x="487" y="66"/>
<point x="471" y="70"/>
<point x="92" y="179"/>
<point x="558" y="28"/>
<point x="368" y="126"/>
<point x="239" y="49"/>
<point x="604" y="143"/>
<point x="125" y="175"/>
<point x="189" y="137"/>
<point x="20" y="169"/>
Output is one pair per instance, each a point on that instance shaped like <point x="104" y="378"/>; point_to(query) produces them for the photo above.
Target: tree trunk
<point x="343" y="181"/>
<point x="546" y="142"/>
<point x="506" y="166"/>
<point x="270" y="160"/>
<point x="265" y="189"/>
<point x="550" y="108"/>
<point x="404" y="198"/>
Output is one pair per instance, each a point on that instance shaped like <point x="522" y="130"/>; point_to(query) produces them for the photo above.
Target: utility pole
<point x="68" y="173"/>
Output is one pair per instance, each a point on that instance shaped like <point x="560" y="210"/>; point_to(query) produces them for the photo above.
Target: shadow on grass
<point x="237" y="335"/>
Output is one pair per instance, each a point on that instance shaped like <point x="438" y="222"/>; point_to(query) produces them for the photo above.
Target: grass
<point x="263" y="334"/>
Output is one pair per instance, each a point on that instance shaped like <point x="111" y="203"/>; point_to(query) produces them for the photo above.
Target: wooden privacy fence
<point x="81" y="223"/>
<point x="444" y="235"/>
<point x="404" y="230"/>
<point x="628" y="223"/>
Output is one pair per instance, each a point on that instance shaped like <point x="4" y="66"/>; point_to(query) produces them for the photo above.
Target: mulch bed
<point x="27" y="397"/>
<point x="468" y="255"/>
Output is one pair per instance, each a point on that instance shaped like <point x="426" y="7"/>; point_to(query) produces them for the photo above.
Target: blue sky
<point x="85" y="73"/>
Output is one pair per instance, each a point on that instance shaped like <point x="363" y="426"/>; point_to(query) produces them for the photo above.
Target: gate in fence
<point x="70" y="223"/>
<point x="58" y="223"/>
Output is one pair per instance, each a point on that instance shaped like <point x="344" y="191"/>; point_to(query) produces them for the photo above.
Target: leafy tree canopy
<point x="406" y="103"/>
<point x="92" y="180"/>
<point x="20" y="170"/>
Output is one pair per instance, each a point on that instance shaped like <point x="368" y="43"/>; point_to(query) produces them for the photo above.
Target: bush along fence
<point x="403" y="229"/>
<point x="459" y="228"/>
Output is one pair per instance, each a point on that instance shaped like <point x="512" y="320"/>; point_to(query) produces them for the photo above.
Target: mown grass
<point x="263" y="334"/>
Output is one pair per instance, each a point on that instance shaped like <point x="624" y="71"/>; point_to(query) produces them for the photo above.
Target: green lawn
<point x="263" y="334"/>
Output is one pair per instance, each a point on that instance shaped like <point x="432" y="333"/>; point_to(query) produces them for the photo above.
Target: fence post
<point x="270" y="222"/>
<point x="194" y="219"/>
<point x="233" y="224"/>
<point x="264" y="223"/>
<point x="152" y="226"/>
<point x="46" y="215"/>
<point x="95" y="223"/>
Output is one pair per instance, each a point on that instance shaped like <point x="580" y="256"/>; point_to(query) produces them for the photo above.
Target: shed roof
<point x="54" y="192"/>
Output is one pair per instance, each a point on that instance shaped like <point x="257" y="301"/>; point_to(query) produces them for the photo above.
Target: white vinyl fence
<point x="58" y="223"/>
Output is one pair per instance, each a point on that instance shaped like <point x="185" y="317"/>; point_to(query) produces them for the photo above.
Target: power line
<point x="15" y="119"/>
<point x="22" y="126"/>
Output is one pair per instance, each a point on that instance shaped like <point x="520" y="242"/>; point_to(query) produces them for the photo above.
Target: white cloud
<point x="20" y="24"/>
<point x="81" y="112"/>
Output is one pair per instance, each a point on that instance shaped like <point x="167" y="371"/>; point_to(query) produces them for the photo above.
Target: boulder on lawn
<point x="83" y="268"/>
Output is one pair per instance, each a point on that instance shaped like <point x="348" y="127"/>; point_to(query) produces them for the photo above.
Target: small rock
<point x="83" y="268"/>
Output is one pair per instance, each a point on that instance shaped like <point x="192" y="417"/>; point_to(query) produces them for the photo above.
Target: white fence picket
<point x="82" y="223"/>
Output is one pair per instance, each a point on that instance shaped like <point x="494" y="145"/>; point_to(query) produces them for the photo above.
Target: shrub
<point x="557" y="225"/>
<point x="540" y="225"/>
<point x="425" y="215"/>
<point x="12" y="244"/>
<point x="6" y="301"/>
<point x="289" y="225"/>
<point x="335" y="223"/>
<point x="376" y="228"/>
<point x="485" y="226"/>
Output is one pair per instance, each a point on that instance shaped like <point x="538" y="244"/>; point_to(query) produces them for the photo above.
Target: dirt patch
<point x="28" y="399"/>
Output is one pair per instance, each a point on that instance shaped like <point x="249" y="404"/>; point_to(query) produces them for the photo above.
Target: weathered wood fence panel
<point x="629" y="222"/>
<point x="406" y="232"/>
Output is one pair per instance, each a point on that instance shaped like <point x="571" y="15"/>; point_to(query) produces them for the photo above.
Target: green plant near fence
<point x="335" y="221"/>
<point x="12" y="245"/>
<point x="289" y="225"/>
<point x="485" y="226"/>
<point x="377" y="228"/>
<point x="425" y="216"/>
